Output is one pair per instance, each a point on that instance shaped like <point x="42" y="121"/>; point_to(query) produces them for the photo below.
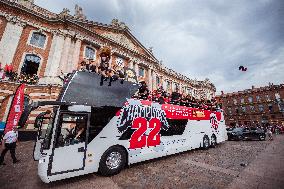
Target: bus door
<point x="70" y="144"/>
<point x="41" y="122"/>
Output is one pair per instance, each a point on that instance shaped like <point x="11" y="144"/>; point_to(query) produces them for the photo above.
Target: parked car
<point x="246" y="134"/>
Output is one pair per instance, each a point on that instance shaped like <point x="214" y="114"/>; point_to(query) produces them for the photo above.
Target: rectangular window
<point x="235" y="101"/>
<point x="257" y="98"/>
<point x="261" y="108"/>
<point x="250" y="99"/>
<point x="267" y="97"/>
<point x="242" y="100"/>
<point x="168" y="85"/>
<point x="243" y="109"/>
<point x="252" y="108"/>
<point x="38" y="39"/>
<point x="90" y="53"/>
<point x="158" y="81"/>
<point x="270" y="107"/>
<point x="141" y="72"/>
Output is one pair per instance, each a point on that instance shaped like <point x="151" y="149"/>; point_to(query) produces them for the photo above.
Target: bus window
<point x="72" y="129"/>
<point x="177" y="127"/>
<point x="100" y="117"/>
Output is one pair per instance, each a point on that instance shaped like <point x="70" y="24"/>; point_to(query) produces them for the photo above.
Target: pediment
<point x="126" y="39"/>
<point x="120" y="39"/>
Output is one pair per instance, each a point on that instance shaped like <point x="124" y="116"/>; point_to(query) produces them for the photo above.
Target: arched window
<point x="90" y="53"/>
<point x="38" y="39"/>
<point x="31" y="64"/>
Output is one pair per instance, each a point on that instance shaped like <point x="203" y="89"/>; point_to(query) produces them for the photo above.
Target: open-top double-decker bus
<point x="98" y="128"/>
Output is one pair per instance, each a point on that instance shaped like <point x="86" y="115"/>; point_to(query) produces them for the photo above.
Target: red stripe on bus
<point x="182" y="112"/>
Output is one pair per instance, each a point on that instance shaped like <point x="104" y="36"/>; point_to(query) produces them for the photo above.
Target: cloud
<point x="202" y="39"/>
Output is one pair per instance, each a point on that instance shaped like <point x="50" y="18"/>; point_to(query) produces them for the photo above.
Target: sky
<point x="201" y="38"/>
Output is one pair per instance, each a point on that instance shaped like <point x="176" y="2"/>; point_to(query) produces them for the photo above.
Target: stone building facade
<point x="36" y="41"/>
<point x="255" y="106"/>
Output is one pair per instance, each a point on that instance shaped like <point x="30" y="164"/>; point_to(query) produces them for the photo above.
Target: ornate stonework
<point x="121" y="39"/>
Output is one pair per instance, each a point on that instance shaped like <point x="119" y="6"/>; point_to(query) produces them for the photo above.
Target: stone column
<point x="53" y="61"/>
<point x="75" y="57"/>
<point x="155" y="81"/>
<point x="9" y="43"/>
<point x="54" y="56"/>
<point x="136" y="68"/>
<point x="150" y="79"/>
<point x="65" y="55"/>
<point x="130" y="64"/>
<point x="173" y="86"/>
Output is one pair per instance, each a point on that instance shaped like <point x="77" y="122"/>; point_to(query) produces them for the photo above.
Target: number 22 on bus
<point x="139" y="139"/>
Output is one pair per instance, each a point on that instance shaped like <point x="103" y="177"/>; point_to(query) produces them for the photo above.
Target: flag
<point x="16" y="109"/>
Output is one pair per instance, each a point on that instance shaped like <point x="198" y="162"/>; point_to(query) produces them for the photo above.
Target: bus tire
<point x="213" y="141"/>
<point x="206" y="142"/>
<point x="112" y="161"/>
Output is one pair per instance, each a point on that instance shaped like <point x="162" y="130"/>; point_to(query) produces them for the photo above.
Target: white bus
<point x="108" y="131"/>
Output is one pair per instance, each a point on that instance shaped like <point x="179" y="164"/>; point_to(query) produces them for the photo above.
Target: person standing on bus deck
<point x="104" y="66"/>
<point x="9" y="143"/>
<point x="176" y="97"/>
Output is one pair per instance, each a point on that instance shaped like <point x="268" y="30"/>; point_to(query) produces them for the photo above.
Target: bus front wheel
<point x="112" y="161"/>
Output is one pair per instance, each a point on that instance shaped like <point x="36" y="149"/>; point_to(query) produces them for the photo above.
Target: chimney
<point x="252" y="87"/>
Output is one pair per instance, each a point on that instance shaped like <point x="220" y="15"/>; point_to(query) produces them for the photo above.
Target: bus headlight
<point x="41" y="161"/>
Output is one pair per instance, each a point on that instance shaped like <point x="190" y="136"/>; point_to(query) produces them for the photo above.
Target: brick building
<point x="34" y="40"/>
<point x="264" y="105"/>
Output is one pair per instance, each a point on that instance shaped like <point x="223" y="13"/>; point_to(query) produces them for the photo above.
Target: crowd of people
<point x="7" y="74"/>
<point x="177" y="98"/>
<point x="103" y="68"/>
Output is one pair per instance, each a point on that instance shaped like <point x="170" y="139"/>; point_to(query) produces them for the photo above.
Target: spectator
<point x="9" y="143"/>
<point x="83" y="66"/>
<point x="269" y="133"/>
<point x="176" y="97"/>
<point x="104" y="68"/>
<point x="143" y="91"/>
<point x="117" y="73"/>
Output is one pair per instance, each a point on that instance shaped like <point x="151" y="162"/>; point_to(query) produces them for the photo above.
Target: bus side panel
<point x="107" y="138"/>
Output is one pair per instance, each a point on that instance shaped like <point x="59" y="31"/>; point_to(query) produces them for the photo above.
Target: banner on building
<point x="16" y="109"/>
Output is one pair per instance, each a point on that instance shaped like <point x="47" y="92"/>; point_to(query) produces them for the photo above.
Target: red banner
<point x="16" y="109"/>
<point x="182" y="112"/>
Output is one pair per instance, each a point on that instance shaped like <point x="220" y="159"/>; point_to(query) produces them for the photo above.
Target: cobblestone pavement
<point x="214" y="168"/>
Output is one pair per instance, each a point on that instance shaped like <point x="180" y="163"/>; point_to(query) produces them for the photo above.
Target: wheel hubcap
<point x="113" y="160"/>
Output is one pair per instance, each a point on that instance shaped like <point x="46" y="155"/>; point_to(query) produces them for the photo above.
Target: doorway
<point x="31" y="65"/>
